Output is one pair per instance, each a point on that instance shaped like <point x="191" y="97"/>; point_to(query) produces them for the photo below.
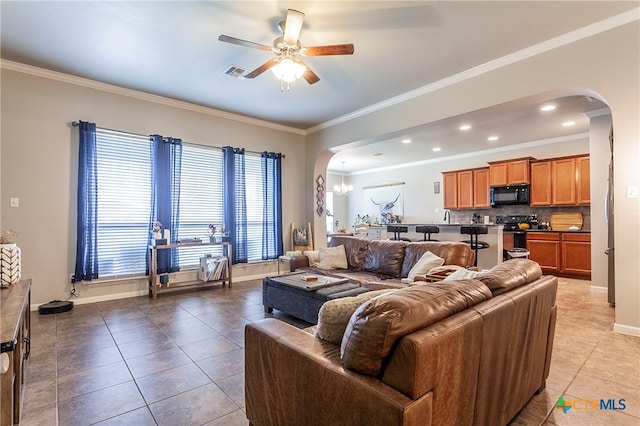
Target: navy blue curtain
<point x="235" y="202"/>
<point x="166" y="160"/>
<point x="272" y="245"/>
<point x="87" y="216"/>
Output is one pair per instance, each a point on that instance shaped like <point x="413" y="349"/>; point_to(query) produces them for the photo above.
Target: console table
<point x="155" y="286"/>
<point x="15" y="325"/>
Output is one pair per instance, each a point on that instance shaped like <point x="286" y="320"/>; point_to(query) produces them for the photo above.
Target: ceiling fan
<point x="287" y="64"/>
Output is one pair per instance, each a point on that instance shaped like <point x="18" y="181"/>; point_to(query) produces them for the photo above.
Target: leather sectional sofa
<point x="380" y="264"/>
<point x="469" y="352"/>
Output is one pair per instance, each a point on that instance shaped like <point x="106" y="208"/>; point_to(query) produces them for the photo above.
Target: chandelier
<point x="342" y="189"/>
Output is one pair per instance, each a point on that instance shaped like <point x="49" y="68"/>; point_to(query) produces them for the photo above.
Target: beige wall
<point x="39" y="165"/>
<point x="605" y="65"/>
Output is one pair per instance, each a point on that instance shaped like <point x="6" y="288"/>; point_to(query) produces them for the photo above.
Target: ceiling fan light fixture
<point x="288" y="70"/>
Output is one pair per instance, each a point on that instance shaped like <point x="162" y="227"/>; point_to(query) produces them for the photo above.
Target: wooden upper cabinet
<point x="518" y="171"/>
<point x="450" y="190"/>
<point x="512" y="172"/>
<point x="583" y="181"/>
<point x="540" y="192"/>
<point x="481" y="188"/>
<point x="563" y="178"/>
<point x="498" y="174"/>
<point x="465" y="189"/>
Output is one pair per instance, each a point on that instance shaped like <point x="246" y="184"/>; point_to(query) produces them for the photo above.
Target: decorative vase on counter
<point x="9" y="264"/>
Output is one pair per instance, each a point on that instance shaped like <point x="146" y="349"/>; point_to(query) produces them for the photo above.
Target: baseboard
<point x="144" y="292"/>
<point x="626" y="329"/>
<point x="598" y="289"/>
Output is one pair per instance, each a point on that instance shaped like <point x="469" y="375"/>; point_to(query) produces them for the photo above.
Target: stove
<point x="510" y="223"/>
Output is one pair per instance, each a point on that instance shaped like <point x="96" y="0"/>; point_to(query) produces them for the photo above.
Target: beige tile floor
<point x="179" y="360"/>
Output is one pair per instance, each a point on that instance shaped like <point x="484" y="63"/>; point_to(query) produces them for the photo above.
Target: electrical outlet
<point x="70" y="278"/>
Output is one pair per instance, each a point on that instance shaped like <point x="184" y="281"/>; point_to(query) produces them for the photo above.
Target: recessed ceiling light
<point x="406" y="141"/>
<point x="492" y="138"/>
<point x="568" y="123"/>
<point x="437" y="149"/>
<point x="548" y="108"/>
<point x="465" y="127"/>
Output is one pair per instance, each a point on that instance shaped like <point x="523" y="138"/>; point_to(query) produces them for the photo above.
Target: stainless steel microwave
<point x="509" y="195"/>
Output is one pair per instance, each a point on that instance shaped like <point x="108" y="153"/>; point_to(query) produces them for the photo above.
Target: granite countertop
<point x="575" y="231"/>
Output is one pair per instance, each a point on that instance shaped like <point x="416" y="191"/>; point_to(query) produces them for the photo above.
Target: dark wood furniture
<point x="155" y="286"/>
<point x="15" y="323"/>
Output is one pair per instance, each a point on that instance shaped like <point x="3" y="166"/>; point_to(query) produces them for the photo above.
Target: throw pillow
<point x="314" y="257"/>
<point x="427" y="262"/>
<point x="334" y="315"/>
<point x="333" y="258"/>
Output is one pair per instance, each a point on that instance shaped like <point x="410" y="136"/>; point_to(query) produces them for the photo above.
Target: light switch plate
<point x="632" y="191"/>
<point x="15" y="202"/>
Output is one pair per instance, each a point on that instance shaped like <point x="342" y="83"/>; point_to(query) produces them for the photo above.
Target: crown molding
<point x="520" y="55"/>
<point x="136" y="94"/>
<point x="502" y="149"/>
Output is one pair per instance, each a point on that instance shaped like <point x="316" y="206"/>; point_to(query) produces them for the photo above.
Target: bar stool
<point x="473" y="231"/>
<point x="397" y="230"/>
<point x="427" y="230"/>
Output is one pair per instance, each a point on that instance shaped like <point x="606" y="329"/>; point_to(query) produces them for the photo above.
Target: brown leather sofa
<point x="470" y="352"/>
<point x="383" y="263"/>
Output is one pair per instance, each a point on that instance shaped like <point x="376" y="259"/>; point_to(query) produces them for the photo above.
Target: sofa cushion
<point x="313" y="255"/>
<point x="332" y="258"/>
<point x="334" y="315"/>
<point x="453" y="253"/>
<point x="377" y="324"/>
<point x="356" y="249"/>
<point x="427" y="262"/>
<point x="385" y="258"/>
<point x="510" y="274"/>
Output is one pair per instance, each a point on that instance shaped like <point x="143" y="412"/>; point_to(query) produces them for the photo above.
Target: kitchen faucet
<point x="447" y="216"/>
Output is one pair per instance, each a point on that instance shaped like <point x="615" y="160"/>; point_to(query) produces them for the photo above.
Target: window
<point x="124" y="202"/>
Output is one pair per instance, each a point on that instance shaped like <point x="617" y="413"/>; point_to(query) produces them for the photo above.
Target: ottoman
<point x="293" y="296"/>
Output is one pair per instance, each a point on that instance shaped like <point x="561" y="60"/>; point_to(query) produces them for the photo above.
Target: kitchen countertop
<point x="576" y="231"/>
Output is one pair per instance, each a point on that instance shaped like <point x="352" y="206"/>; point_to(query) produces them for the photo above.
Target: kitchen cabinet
<point x="540" y="190"/>
<point x="567" y="253"/>
<point x="583" y="181"/>
<point x="481" y="188"/>
<point x="560" y="182"/>
<point x="512" y="172"/>
<point x="576" y="253"/>
<point x="466" y="189"/>
<point x="450" y="184"/>
<point x="544" y="248"/>
<point x="563" y="178"/>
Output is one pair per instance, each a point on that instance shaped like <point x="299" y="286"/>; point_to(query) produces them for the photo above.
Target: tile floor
<point x="179" y="360"/>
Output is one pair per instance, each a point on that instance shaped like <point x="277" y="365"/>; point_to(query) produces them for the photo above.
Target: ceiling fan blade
<point x="309" y="75"/>
<point x="336" y="49"/>
<point x="292" y="26"/>
<point x="244" y="43"/>
<point x="262" y="68"/>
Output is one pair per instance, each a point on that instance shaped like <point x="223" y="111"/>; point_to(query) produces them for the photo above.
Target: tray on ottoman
<point x="302" y="299"/>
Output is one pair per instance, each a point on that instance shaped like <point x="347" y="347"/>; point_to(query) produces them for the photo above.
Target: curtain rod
<point x="76" y="124"/>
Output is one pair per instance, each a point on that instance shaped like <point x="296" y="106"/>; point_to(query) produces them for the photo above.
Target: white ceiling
<point x="171" y="48"/>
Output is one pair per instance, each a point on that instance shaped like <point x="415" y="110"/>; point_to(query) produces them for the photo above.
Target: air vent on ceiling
<point x="235" y="71"/>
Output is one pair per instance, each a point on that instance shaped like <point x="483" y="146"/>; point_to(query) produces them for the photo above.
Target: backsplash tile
<point x="543" y="213"/>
